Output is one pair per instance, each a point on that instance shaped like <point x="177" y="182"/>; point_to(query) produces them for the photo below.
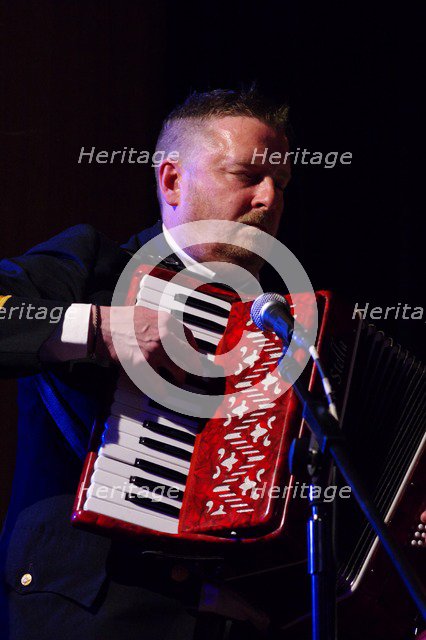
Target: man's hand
<point x="138" y="335"/>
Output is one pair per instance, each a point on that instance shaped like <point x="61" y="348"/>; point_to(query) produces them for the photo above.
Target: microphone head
<point x="259" y="304"/>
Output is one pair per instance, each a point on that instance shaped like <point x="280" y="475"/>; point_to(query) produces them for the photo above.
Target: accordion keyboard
<point x="144" y="458"/>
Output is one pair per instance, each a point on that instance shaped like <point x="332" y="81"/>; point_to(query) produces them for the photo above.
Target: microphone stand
<point x="304" y="457"/>
<point x="331" y="441"/>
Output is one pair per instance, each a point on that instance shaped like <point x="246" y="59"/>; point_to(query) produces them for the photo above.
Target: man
<point x="58" y="581"/>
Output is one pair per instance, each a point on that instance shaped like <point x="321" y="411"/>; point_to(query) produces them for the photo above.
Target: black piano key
<point x="213" y="386"/>
<point x="171" y="492"/>
<point x="159" y="470"/>
<point x="162" y="447"/>
<point x="169" y="432"/>
<point x="199" y="322"/>
<point x="203" y="345"/>
<point x="154" y="505"/>
<point x="196" y="303"/>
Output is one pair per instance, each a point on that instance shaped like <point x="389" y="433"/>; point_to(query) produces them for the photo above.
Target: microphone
<point x="271" y="312"/>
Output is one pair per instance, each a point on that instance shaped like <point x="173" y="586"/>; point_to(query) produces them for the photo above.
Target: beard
<point x="243" y="250"/>
<point x="231" y="253"/>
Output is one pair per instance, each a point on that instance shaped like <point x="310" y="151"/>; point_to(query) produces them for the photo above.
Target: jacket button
<point x="26" y="579"/>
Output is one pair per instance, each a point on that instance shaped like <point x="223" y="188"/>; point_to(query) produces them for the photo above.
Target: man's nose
<point x="265" y="194"/>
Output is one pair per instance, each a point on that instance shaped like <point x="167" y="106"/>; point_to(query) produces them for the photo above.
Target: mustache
<point x="258" y="219"/>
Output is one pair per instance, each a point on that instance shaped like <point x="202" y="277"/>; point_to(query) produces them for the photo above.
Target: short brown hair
<point x="222" y="102"/>
<point x="198" y="108"/>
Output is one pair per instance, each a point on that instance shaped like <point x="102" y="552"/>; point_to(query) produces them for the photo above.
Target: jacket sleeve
<point x="37" y="288"/>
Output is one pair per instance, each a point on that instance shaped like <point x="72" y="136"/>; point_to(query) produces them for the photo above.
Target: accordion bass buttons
<point x="419" y="538"/>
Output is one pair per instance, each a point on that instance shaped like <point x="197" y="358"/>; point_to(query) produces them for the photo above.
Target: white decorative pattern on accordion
<point x="238" y="471"/>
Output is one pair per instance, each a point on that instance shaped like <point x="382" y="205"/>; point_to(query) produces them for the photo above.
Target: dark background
<point x="105" y="74"/>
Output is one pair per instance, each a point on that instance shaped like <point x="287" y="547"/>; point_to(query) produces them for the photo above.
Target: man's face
<point x="220" y="180"/>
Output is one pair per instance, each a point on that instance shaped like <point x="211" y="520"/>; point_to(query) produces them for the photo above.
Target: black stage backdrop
<point x="105" y="74"/>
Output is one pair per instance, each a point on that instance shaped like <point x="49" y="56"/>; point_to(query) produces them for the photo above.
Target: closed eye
<point x="253" y="178"/>
<point x="244" y="176"/>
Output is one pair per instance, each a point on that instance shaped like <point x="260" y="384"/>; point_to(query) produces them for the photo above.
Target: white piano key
<point x="131" y="421"/>
<point x="122" y="426"/>
<point x="143" y="518"/>
<point x="169" y="303"/>
<point x="127" y="456"/>
<point x="157" y="284"/>
<point x="121" y="486"/>
<point x="136" y="408"/>
<point x="138" y="450"/>
<point x="119" y="410"/>
<point x="125" y="471"/>
<point x="103" y="492"/>
<point x="142" y="402"/>
<point x="199" y="332"/>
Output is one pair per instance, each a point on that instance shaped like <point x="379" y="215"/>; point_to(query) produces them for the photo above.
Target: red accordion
<point x="225" y="480"/>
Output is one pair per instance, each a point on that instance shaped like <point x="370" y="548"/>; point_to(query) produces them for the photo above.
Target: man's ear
<point x="168" y="183"/>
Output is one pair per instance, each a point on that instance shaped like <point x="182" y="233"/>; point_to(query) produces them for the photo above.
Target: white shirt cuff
<point x="75" y="332"/>
<point x="69" y="342"/>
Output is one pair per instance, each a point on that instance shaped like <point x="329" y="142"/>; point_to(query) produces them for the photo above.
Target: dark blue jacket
<point x="79" y="581"/>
